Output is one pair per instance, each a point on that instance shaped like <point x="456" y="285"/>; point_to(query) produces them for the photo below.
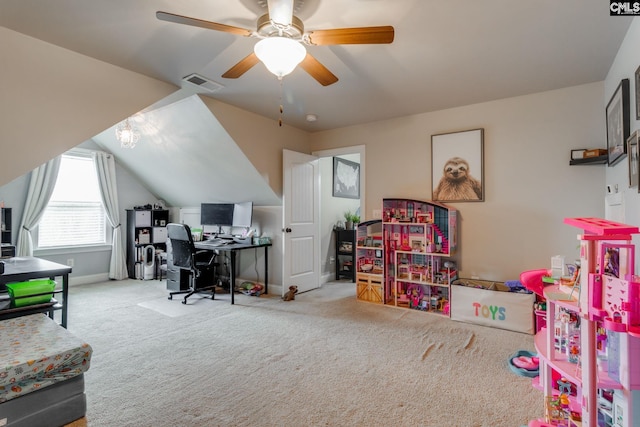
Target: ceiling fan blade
<point x="241" y="67"/>
<point x="361" y="35"/>
<point x="318" y="71"/>
<point x="280" y="11"/>
<point x="194" y="22"/>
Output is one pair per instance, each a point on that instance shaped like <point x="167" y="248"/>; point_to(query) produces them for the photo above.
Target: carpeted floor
<point x="324" y="359"/>
<point x="169" y="308"/>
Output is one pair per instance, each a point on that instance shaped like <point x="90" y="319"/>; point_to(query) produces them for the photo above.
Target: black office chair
<point x="185" y="255"/>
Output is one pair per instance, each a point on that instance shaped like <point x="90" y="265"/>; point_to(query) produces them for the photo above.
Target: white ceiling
<point x="445" y="53"/>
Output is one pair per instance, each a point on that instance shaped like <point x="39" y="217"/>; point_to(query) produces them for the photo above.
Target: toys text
<point x="492" y="312"/>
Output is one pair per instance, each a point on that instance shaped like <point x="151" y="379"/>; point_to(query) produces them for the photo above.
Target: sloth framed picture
<point x="457" y="166"/>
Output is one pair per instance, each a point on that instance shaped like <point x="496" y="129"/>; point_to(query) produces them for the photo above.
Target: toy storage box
<point x="490" y="303"/>
<point x="31" y="292"/>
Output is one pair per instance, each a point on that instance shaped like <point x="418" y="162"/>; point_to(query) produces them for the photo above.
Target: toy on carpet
<point x="525" y="363"/>
<point x="291" y="293"/>
<point x="252" y="289"/>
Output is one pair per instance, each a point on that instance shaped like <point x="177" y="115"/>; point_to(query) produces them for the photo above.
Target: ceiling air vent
<point x="202" y="82"/>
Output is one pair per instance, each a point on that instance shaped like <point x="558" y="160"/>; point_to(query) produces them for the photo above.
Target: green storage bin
<point x="20" y="292"/>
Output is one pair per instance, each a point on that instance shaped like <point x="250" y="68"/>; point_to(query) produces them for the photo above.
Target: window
<point x="74" y="215"/>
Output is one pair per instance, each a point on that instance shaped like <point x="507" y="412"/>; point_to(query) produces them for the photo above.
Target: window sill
<point x="72" y="250"/>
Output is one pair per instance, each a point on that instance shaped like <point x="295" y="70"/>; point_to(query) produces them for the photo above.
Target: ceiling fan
<point x="282" y="35"/>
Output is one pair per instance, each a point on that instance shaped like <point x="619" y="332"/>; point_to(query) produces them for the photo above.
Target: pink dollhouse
<point x="598" y="362"/>
<point x="419" y="237"/>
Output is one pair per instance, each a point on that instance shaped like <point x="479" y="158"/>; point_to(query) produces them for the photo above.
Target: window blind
<point x="71" y="224"/>
<point x="74" y="215"/>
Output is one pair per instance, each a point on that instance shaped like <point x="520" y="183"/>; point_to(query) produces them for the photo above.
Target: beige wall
<point x="54" y="99"/>
<point x="529" y="186"/>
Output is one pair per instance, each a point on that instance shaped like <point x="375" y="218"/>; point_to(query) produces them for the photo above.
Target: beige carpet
<point x="324" y="359"/>
<point x="163" y="305"/>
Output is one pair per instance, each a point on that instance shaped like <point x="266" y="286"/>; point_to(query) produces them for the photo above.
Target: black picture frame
<point x="346" y="178"/>
<point x="638" y="93"/>
<point x="462" y="150"/>
<point x="617" y="115"/>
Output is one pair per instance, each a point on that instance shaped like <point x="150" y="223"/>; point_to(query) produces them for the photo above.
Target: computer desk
<point x="234" y="248"/>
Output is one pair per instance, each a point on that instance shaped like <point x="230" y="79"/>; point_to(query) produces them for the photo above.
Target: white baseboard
<point x="275" y="290"/>
<point x="326" y="278"/>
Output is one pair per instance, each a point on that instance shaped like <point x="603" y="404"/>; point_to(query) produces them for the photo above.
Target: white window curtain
<point x="106" y="170"/>
<point x="41" y="185"/>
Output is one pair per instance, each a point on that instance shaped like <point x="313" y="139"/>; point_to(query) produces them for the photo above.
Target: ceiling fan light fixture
<point x="127" y="134"/>
<point x="281" y="55"/>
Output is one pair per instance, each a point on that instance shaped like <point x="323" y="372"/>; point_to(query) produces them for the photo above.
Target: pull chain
<point x="281" y="107"/>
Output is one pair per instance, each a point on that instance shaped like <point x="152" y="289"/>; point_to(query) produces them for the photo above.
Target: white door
<point x="300" y="221"/>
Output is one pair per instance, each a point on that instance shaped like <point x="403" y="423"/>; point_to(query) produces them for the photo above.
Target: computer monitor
<point x="219" y="214"/>
<point x="242" y="214"/>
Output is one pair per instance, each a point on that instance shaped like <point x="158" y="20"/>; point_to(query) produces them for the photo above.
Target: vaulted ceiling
<point x="445" y="53"/>
<point x="186" y="157"/>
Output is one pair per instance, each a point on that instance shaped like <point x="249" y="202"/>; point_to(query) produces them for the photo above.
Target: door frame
<point x="332" y="152"/>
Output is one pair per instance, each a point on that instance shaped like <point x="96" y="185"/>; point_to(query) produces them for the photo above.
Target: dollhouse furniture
<point x="42" y="381"/>
<point x="369" y="262"/>
<point x="418" y="237"/>
<point x="590" y="349"/>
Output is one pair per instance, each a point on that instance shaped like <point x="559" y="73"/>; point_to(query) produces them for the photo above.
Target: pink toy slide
<point x="532" y="280"/>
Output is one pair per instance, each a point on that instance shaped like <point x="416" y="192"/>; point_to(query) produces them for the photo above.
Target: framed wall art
<point x="457" y="166"/>
<point x="634" y="159"/>
<point x="346" y="178"/>
<point x="618" y="123"/>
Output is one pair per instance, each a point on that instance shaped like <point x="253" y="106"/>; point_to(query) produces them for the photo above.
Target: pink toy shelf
<point x="532" y="280"/>
<point x="612" y="299"/>
<point x="592" y="334"/>
<point x="602" y="228"/>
